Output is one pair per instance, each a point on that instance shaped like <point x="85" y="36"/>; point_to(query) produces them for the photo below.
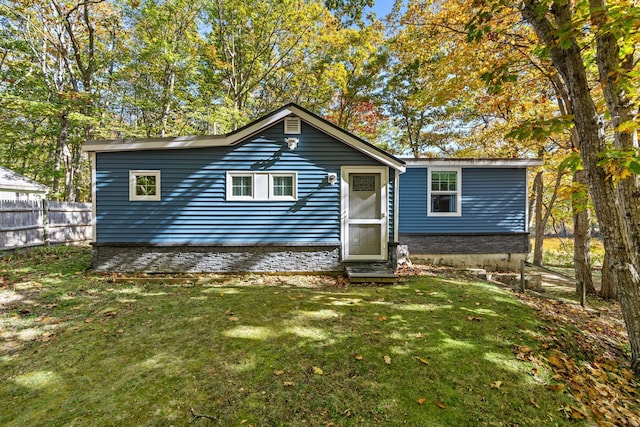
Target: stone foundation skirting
<point x="209" y="259"/>
<point x="491" y="251"/>
<point x="466" y="243"/>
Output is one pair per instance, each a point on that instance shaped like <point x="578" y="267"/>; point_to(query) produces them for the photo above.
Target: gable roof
<point x="245" y="132"/>
<point x="13" y="181"/>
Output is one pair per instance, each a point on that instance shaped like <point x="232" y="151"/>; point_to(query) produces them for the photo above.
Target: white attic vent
<point x="292" y="125"/>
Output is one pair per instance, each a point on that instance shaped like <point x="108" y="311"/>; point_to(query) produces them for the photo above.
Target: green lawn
<point x="79" y="348"/>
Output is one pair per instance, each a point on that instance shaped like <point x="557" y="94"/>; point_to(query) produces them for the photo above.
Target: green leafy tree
<point x="574" y="35"/>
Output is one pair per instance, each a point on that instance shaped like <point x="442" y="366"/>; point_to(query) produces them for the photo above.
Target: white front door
<point x="365" y="223"/>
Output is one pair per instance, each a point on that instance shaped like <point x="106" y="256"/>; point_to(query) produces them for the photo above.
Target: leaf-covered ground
<point x="587" y="349"/>
<point x="438" y="349"/>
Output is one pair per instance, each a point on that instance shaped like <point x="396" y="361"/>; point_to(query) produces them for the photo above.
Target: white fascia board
<point x="476" y="163"/>
<point x="257" y="127"/>
<point x="348" y="139"/>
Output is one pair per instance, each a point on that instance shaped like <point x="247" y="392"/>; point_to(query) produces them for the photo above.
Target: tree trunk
<point x="579" y="203"/>
<point x="582" y="238"/>
<point x="538" y="187"/>
<point x="77" y="174"/>
<point x="610" y="205"/>
<point x="608" y="286"/>
<point x="62" y="147"/>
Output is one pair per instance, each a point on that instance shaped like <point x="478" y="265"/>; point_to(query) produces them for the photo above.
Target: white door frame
<point x="345" y="171"/>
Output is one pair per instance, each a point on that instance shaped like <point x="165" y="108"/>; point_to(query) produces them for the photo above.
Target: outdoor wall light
<point x="292" y="143"/>
<point x="332" y="178"/>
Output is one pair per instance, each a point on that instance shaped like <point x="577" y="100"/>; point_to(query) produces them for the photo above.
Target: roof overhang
<point x="22" y="189"/>
<point x="243" y="134"/>
<point x="473" y="163"/>
<point x="12" y="181"/>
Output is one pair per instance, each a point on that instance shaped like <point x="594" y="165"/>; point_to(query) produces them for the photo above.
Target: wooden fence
<point x="25" y="223"/>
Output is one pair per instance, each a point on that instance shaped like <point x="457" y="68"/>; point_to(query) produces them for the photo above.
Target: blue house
<point x="292" y="192"/>
<point x="289" y="192"/>
<point x="466" y="212"/>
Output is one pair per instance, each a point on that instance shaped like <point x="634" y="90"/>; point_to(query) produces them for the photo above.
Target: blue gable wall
<point x="193" y="207"/>
<point x="493" y="201"/>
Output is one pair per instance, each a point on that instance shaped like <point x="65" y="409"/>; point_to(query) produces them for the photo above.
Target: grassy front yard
<point x="79" y="348"/>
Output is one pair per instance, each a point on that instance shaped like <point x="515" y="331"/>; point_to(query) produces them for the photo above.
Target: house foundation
<point x="497" y="252"/>
<point x="216" y="259"/>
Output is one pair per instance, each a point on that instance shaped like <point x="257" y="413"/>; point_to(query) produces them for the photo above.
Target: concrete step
<point x="371" y="274"/>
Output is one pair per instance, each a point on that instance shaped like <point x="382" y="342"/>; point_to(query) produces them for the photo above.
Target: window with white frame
<point x="262" y="186"/>
<point x="242" y="186"/>
<point x="144" y="185"/>
<point x="444" y="192"/>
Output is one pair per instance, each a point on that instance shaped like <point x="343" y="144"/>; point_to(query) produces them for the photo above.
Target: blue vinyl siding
<point x="194" y="209"/>
<point x="493" y="201"/>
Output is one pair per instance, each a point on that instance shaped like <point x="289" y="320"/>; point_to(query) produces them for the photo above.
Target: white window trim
<point x="294" y="195"/>
<point x="262" y="186"/>
<point x="458" y="192"/>
<point x="230" y="176"/>
<point x="133" y="176"/>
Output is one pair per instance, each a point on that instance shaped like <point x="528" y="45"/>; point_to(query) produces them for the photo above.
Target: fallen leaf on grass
<point x="288" y="383"/>
<point x="387" y="359"/>
<point x="382" y="318"/>
<point x="89" y="320"/>
<point x="474" y="318"/>
<point x="441" y="405"/>
<point x="496" y="384"/>
<point x="556" y="387"/>
<point x="278" y="372"/>
<point x="317" y="371"/>
<point x="357" y="356"/>
<point x="574" y="413"/>
<point x="421" y="400"/>
<point x="556" y="360"/>
<point x="422" y="360"/>
<point x="420" y="335"/>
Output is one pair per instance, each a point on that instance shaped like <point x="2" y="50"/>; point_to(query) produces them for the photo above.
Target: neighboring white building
<point x="14" y="186"/>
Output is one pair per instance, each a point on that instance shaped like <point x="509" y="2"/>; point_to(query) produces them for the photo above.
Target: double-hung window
<point x="242" y="186"/>
<point x="144" y="185"/>
<point x="282" y="186"/>
<point x="262" y="186"/>
<point x="444" y="192"/>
